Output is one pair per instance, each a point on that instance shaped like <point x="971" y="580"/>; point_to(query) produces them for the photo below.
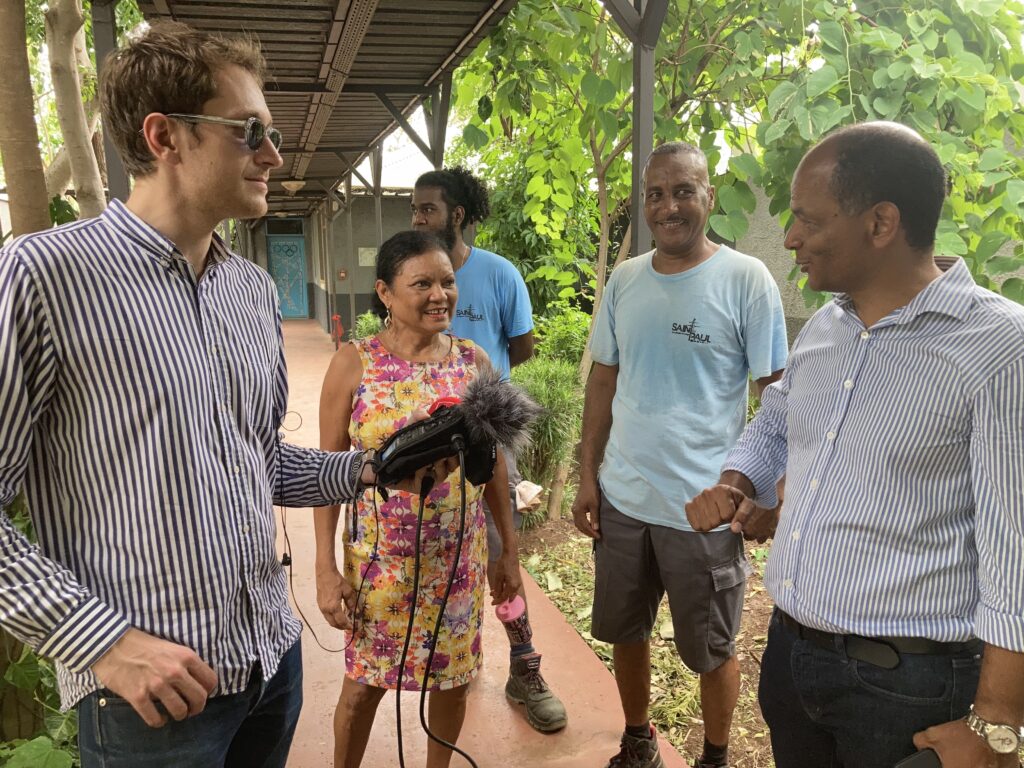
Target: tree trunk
<point x="64" y="20"/>
<point x="557" y="491"/>
<point x="19" y="140"/>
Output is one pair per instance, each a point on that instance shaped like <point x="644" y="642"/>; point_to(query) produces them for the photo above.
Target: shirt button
<point x="788" y="583"/>
<point x="102" y="702"/>
<point x="831" y="435"/>
<point x="245" y="528"/>
<point x="237" y="469"/>
<point x="848" y="384"/>
<point x="865" y="334"/>
<point x="814" y="483"/>
<point x="796" y="535"/>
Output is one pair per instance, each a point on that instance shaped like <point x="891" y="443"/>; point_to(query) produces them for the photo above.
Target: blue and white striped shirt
<point x="903" y="450"/>
<point x="140" y="409"/>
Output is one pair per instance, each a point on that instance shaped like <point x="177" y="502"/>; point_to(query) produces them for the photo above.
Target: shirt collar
<point x="952" y="294"/>
<point x="119" y="217"/>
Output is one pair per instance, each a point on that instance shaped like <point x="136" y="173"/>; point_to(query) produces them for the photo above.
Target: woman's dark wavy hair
<point x="397" y="250"/>
<point x="459" y="187"/>
<point x="878" y="162"/>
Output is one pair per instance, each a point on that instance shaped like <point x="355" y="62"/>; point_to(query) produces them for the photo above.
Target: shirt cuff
<point x="1003" y="630"/>
<point x="84" y="636"/>
<point x="339" y="476"/>
<point x="758" y="474"/>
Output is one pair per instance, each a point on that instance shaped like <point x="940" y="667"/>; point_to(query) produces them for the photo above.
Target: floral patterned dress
<point x="380" y="560"/>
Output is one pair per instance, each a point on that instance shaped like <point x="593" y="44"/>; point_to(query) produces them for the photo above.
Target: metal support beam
<point x="642" y="25"/>
<point x="384" y="87"/>
<point x="402" y="121"/>
<point x="104" y="31"/>
<point x="353" y="171"/>
<point x="436" y="112"/>
<point x="377" y="169"/>
<point x="350" y="249"/>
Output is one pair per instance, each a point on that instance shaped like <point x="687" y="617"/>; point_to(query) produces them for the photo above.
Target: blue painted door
<point x="286" y="256"/>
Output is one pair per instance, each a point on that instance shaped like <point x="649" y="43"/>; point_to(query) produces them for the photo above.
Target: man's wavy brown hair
<point x="169" y="68"/>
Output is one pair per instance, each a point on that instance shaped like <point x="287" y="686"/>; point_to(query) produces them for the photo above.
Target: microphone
<point x="490" y="413"/>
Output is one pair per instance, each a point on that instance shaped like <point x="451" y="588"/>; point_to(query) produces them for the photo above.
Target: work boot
<point x="526" y="686"/>
<point x="637" y="752"/>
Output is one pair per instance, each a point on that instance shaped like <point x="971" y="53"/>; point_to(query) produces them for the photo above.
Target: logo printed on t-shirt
<point x="468" y="313"/>
<point x="690" y="332"/>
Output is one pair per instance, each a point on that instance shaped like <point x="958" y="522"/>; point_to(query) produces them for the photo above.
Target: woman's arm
<point x="507" y="581"/>
<point x="334" y="594"/>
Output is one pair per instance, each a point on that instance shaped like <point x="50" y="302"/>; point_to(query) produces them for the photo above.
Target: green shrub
<point x="563" y="336"/>
<point x="555" y="385"/>
<point x="367" y="324"/>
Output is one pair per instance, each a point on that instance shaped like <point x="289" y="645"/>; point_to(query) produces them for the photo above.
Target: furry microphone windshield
<point x="491" y="412"/>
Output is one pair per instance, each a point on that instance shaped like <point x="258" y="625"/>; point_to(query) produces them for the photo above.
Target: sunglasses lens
<point x="275" y="137"/>
<point x="254" y="133"/>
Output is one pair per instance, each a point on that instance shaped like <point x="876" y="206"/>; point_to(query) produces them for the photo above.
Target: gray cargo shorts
<point x="704" y="575"/>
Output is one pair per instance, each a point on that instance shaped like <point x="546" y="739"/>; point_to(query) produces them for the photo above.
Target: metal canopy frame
<point x="342" y="76"/>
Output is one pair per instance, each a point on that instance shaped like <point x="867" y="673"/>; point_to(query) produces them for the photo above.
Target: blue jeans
<point x="251" y="729"/>
<point x="827" y="710"/>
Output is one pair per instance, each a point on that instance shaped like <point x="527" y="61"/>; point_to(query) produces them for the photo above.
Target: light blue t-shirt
<point x="684" y="345"/>
<point x="493" y="307"/>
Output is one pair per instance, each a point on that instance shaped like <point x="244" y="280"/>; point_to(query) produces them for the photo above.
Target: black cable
<point x="425" y="487"/>
<point x="286" y="560"/>
<point x="444" y="604"/>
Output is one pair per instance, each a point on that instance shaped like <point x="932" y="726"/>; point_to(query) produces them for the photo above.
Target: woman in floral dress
<point x="372" y="388"/>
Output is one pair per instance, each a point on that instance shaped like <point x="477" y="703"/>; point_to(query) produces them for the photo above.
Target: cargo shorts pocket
<point x="726" y="602"/>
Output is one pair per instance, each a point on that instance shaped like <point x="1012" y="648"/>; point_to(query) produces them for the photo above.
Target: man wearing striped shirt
<point x="898" y="564"/>
<point x="142" y="384"/>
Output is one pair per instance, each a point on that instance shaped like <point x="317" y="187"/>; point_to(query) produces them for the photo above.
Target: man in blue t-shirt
<point x="494" y="312"/>
<point x="676" y="337"/>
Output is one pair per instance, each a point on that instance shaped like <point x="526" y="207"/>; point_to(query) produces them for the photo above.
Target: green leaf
<point x="1014" y="195"/>
<point x="590" y="85"/>
<point x="608" y="122"/>
<point x="606" y="91"/>
<point x="988" y="245"/>
<point x="780" y="97"/>
<point x="485" y="107"/>
<point x="1013" y="289"/>
<point x="39" y="753"/>
<point x="802" y="119"/>
<point x="535" y="184"/>
<point x="474" y="137"/>
<point x="777" y="130"/>
<point x="832" y="36"/>
<point x="821" y="81"/>
<point x="950" y="244"/>
<point x="1000" y="265"/>
<point x="723" y="227"/>
<point x="746" y="165"/>
<point x="886" y="106"/>
<point x="24" y="673"/>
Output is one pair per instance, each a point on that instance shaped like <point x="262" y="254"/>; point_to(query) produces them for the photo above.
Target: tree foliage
<point x="755" y="84"/>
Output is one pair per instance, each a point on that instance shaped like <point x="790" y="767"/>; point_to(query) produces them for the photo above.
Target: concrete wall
<point x="764" y="240"/>
<point x="353" y="295"/>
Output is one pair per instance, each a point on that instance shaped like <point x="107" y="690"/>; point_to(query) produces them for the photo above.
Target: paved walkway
<point x="495" y="733"/>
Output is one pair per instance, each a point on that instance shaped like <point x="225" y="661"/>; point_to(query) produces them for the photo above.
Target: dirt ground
<point x="559" y="557"/>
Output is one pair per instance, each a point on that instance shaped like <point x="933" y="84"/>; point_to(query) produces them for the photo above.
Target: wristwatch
<point x="1001" y="738"/>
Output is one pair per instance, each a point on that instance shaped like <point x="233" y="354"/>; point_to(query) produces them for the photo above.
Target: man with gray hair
<point x="680" y="331"/>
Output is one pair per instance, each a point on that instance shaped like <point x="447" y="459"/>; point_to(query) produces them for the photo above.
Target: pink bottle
<point x="512" y="613"/>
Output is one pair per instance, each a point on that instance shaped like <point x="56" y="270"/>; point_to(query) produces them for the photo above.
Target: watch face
<point x="1002" y="739"/>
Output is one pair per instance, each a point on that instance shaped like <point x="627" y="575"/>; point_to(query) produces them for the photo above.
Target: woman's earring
<point x="387" y="318"/>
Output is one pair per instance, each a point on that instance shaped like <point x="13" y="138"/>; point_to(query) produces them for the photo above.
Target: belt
<point x="881" y="651"/>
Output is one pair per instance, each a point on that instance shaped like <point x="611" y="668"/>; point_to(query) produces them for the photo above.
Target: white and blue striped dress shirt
<point x="139" y="408"/>
<point x="903" y="450"/>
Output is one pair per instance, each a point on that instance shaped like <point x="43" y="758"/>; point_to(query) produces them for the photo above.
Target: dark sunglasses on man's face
<point x="255" y="130"/>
